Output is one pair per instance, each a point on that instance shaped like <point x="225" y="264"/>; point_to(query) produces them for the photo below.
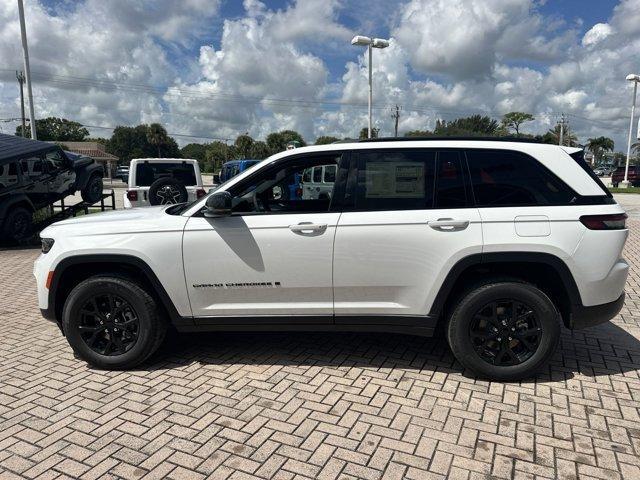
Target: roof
<point x="12" y="147"/>
<point x="95" y="154"/>
<point x="441" y="138"/>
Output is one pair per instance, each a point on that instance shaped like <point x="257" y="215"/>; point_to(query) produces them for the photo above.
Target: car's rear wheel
<point x="18" y="224"/>
<point x="92" y="192"/>
<point x="504" y="331"/>
<point x="112" y="322"/>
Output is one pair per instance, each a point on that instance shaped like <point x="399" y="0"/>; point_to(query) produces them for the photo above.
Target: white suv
<point x="163" y="181"/>
<point x="499" y="243"/>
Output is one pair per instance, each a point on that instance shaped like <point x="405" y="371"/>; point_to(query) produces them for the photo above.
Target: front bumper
<point x="584" y="317"/>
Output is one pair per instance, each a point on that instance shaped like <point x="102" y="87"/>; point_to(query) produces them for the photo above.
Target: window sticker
<point x="394" y="179"/>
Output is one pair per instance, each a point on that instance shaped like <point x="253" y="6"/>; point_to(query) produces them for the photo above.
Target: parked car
<point x="35" y="174"/>
<point x="502" y="243"/>
<point x="234" y="167"/>
<point x="604" y="171"/>
<point x="122" y="172"/>
<point x="163" y="181"/>
<point x="633" y="176"/>
<point x="318" y="182"/>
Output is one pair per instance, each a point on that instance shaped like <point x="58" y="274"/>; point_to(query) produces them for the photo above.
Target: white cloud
<point x="598" y="32"/>
<point x="269" y="69"/>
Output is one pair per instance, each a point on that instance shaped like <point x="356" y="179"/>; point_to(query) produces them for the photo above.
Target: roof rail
<point x="440" y="138"/>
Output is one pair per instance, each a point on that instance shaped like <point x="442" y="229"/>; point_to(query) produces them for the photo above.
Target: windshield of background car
<point x="147" y="173"/>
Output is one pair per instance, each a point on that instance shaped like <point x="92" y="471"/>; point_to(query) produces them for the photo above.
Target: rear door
<point x="408" y="218"/>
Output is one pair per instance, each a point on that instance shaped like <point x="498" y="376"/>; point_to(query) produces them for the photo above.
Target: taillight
<point x="614" y="221"/>
<point x="200" y="193"/>
<point x="132" y="195"/>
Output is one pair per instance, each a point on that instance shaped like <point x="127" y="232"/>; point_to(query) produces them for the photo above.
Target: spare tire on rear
<point x="167" y="191"/>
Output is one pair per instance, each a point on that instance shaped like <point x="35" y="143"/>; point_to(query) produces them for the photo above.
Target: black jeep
<point x="35" y="174"/>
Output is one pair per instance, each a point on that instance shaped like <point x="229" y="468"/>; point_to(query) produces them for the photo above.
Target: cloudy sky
<point x="212" y="69"/>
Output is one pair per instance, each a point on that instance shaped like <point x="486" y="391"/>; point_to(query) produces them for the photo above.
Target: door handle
<point x="448" y="224"/>
<point x="308" y="227"/>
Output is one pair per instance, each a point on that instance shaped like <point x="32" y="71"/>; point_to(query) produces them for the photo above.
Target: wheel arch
<point x="73" y="270"/>
<point x="546" y="271"/>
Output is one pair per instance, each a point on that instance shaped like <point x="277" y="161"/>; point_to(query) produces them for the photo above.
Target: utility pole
<point x="27" y="71"/>
<point x="395" y="114"/>
<point x="20" y="77"/>
<point x="561" y="136"/>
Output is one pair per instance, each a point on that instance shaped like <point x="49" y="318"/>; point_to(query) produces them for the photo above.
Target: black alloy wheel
<point x="109" y="325"/>
<point x="503" y="329"/>
<point x="168" y="195"/>
<point x="505" y="332"/>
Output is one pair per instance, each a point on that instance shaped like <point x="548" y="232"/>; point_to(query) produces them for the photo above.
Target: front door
<point x="411" y="220"/>
<point x="272" y="257"/>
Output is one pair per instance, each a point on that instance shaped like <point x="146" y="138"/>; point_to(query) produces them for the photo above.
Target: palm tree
<point x="598" y="146"/>
<point x="157" y="135"/>
<point x="553" y="136"/>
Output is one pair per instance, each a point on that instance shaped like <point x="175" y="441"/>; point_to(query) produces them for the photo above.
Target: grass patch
<point x="624" y="190"/>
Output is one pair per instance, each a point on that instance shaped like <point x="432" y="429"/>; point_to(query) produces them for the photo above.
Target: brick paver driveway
<point x="312" y="405"/>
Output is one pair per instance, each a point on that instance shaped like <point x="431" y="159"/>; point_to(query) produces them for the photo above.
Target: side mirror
<point x="218" y="205"/>
<point x="216" y="178"/>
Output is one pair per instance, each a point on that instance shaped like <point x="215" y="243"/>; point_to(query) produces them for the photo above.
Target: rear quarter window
<point x="502" y="178"/>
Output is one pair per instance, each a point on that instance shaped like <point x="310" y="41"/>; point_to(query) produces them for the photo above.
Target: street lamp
<point x="370" y="44"/>
<point x="635" y="79"/>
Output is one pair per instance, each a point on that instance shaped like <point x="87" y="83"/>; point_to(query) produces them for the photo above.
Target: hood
<point x="78" y="160"/>
<point x="134" y="220"/>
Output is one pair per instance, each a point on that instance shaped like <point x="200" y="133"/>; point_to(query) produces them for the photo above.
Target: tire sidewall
<point x="546" y="314"/>
<point x="93" y="190"/>
<point x="71" y="319"/>
<point x="9" y="231"/>
<point x="161" y="182"/>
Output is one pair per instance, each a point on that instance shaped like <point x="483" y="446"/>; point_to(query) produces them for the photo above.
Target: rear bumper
<point x="584" y="317"/>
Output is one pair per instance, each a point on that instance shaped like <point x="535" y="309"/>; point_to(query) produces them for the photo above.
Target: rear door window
<point x="502" y="178"/>
<point x="147" y="173"/>
<point x="451" y="191"/>
<point x="395" y="179"/>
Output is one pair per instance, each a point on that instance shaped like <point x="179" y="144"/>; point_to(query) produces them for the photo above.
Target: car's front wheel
<point x="112" y="322"/>
<point x="504" y="330"/>
<point x="92" y="192"/>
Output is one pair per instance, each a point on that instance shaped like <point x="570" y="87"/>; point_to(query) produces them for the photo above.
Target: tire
<point x="18" y="224"/>
<point x="543" y="323"/>
<point x="78" y="325"/>
<point x="614" y="185"/>
<point x="92" y="192"/>
<point x="167" y="191"/>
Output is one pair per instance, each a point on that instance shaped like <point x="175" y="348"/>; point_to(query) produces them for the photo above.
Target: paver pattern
<point x="324" y="406"/>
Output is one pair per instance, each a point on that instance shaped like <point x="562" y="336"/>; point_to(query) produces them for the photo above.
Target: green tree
<point x="243" y="145"/>
<point x="419" y="133"/>
<point x="259" y="150"/>
<point x="217" y="153"/>
<point x="553" y="136"/>
<point x="56" y="129"/>
<point x="598" y="146"/>
<point x="513" y="120"/>
<point x="325" y="140"/>
<point x="197" y="151"/>
<point x="157" y="136"/>
<point x="364" y="133"/>
<point x="473" y="126"/>
<point x="277" y="141"/>
<point x="133" y="142"/>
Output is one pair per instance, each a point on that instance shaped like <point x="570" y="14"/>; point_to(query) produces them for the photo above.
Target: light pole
<point x="27" y="70"/>
<point x="370" y="44"/>
<point x="635" y="79"/>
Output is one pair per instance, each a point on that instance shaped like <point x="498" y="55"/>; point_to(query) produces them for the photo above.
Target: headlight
<point x="47" y="243"/>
